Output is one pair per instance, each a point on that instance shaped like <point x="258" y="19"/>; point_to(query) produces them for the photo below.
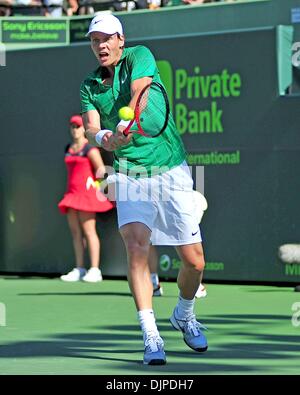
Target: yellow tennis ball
<point x="97" y="184"/>
<point x="126" y="113"/>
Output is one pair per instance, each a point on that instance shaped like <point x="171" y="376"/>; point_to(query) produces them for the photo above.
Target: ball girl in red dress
<point x="82" y="200"/>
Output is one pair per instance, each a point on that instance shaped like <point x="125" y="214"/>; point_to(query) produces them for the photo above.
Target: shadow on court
<point x="57" y="328"/>
<point x="118" y="347"/>
<point x="103" y="293"/>
<point x="107" y="352"/>
<point x="76" y="294"/>
<point x="238" y="319"/>
<point x="276" y="290"/>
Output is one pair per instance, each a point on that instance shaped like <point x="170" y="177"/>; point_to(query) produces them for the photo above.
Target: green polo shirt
<point x="143" y="156"/>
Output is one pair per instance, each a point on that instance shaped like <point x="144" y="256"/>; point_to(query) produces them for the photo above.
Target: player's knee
<point x="136" y="249"/>
<point x="196" y="262"/>
<point x="198" y="266"/>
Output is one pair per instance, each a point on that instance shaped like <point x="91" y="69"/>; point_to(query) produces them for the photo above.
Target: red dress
<point x="81" y="194"/>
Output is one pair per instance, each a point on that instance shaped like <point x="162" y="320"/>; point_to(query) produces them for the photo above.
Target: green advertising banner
<point x="225" y="91"/>
<point x="20" y="30"/>
<point x="78" y="29"/>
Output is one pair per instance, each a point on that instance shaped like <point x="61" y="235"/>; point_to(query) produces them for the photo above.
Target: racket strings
<point x="153" y="110"/>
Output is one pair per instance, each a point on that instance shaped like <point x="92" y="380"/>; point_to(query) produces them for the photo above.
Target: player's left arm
<point x="142" y="69"/>
<point x="136" y="87"/>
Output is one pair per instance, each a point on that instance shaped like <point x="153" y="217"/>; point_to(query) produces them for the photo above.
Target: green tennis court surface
<point x="57" y="328"/>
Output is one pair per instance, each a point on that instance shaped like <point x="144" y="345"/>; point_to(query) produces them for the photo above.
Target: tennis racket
<point x="151" y="113"/>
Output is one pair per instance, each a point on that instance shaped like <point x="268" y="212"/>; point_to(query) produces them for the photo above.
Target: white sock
<point x="147" y="321"/>
<point x="154" y="279"/>
<point x="184" y="308"/>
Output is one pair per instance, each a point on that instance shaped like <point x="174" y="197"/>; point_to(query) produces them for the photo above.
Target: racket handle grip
<point x="127" y="125"/>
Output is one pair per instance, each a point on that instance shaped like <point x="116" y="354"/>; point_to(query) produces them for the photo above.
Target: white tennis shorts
<point x="164" y="203"/>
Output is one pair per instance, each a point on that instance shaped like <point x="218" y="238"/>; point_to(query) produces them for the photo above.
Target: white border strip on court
<point x="2" y="314"/>
<point x="2" y="54"/>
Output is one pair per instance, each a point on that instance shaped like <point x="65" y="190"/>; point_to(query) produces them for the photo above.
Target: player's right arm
<point x="107" y="140"/>
<point x="91" y="122"/>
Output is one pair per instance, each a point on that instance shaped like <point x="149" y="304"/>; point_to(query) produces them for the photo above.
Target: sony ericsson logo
<point x="165" y="263"/>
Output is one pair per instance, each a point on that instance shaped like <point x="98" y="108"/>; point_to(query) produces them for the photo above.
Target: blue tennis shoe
<point x="154" y="350"/>
<point x="191" y="329"/>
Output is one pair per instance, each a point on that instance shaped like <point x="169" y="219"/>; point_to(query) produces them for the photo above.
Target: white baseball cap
<point x="105" y="23"/>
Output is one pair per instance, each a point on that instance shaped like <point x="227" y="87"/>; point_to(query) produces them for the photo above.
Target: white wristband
<point x="100" y="134"/>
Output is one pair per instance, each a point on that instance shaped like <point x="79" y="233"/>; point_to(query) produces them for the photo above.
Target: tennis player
<point x="144" y="165"/>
